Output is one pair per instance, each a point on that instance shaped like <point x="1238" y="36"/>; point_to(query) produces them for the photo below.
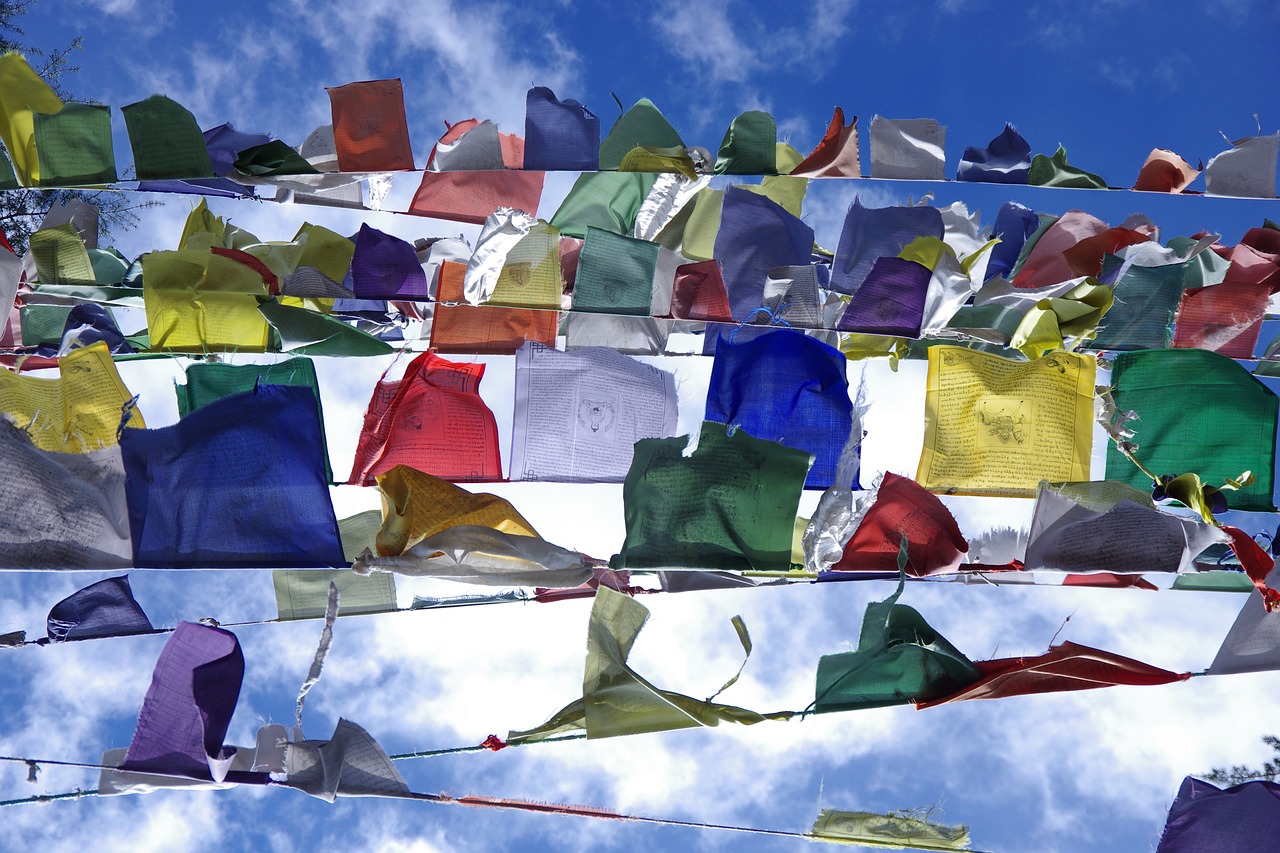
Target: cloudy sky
<point x="1108" y="79"/>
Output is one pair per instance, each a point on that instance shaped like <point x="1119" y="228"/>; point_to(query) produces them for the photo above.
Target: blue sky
<point x="1093" y="771"/>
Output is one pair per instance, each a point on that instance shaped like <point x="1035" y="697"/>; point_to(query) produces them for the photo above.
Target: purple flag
<point x="890" y="301"/>
<point x="386" y="267"/>
<point x="104" y="609"/>
<point x="225" y="143"/>
<point x="871" y="233"/>
<point x="1005" y="160"/>
<point x="1207" y="819"/>
<point x="188" y="706"/>
<point x="559" y="135"/>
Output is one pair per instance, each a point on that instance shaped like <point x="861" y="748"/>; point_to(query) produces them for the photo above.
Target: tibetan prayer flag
<point x="224" y="144"/>
<point x="559" y="135"/>
<point x="620" y="333"/>
<point x="1165" y="172"/>
<point x="1142" y="311"/>
<point x="23" y="96"/>
<point x="501" y="233"/>
<point x="167" y="143"/>
<point x="324" y="250"/>
<point x="530" y="275"/>
<point x="642" y="126"/>
<point x="909" y="149"/>
<point x="887" y="830"/>
<point x="103" y="609"/>
<point x="1248" y="169"/>
<point x="473" y="196"/>
<point x="1005" y="160"/>
<point x="579" y="414"/>
<point x="484" y="329"/>
<point x="1014" y="226"/>
<point x="350" y="764"/>
<point x="900" y="659"/>
<point x="836" y="156"/>
<point x="270" y="159"/>
<point x="238" y="483"/>
<point x="1046" y="261"/>
<point x="871" y="233"/>
<point x="1224" y="318"/>
<point x="386" y="267"/>
<point x="60" y="256"/>
<point x="786" y="387"/>
<point x="890" y="301"/>
<point x="89" y="323"/>
<point x="74" y="146"/>
<point x="698" y="293"/>
<point x="306" y="332"/>
<point x="994" y="426"/>
<point x="188" y="707"/>
<point x="199" y="301"/>
<point x="61" y="511"/>
<point x="1207" y="819"/>
<point x="1055" y="171"/>
<point x="731" y="504"/>
<point x="749" y="146"/>
<point x="1253" y="643"/>
<point x="616" y="700"/>
<point x="416" y="506"/>
<point x="605" y="200"/>
<point x="477" y="149"/>
<point x="756" y="235"/>
<point x="369" y="127"/>
<point x="304" y="594"/>
<point x="433" y="420"/>
<point x="615" y="274"/>
<point x="904" y="510"/>
<point x="1065" y="667"/>
<point x="79" y="412"/>
<point x="1197" y="412"/>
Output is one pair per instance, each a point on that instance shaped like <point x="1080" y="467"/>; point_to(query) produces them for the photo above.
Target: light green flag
<point x="605" y="200"/>
<point x="8" y="179"/>
<point x="694" y="234"/>
<point x="43" y="324"/>
<point x="1198" y="413"/>
<point x="788" y="192"/>
<point x="894" y="830"/>
<point x="74" y="146"/>
<point x="1055" y="171"/>
<point x="61" y="257"/>
<point x="615" y="274"/>
<point x="303" y="594"/>
<point x="749" y="146"/>
<point x="166" y="140"/>
<point x="642" y="126"/>
<point x="616" y="700"/>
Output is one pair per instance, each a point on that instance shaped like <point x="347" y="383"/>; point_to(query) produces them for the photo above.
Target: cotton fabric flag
<point x="1014" y="225"/>
<point x="871" y="233"/>
<point x="23" y="95"/>
<point x="302" y="331"/>
<point x="474" y="196"/>
<point x="1248" y="169"/>
<point x="1230" y="429"/>
<point x="349" y="764"/>
<point x="1065" y="667"/>
<point x="579" y="414"/>
<point x="74" y="146"/>
<point x="908" y="149"/>
<point x="188" y="707"/>
<point x="531" y="275"/>
<point x="994" y="426"/>
<point x="642" y="126"/>
<point x="1253" y="642"/>
<point x="478" y="149"/>
<point x="1005" y="160"/>
<point x="756" y="235"/>
<point x="786" y="387"/>
<point x="103" y="609"/>
<point x="887" y="830"/>
<point x="748" y="147"/>
<point x="250" y="467"/>
<point x="1165" y="172"/>
<point x="1208" y="819"/>
<point x="386" y="267"/>
<point x="483" y="329"/>
<point x="502" y="232"/>
<point x="1224" y="318"/>
<point x="616" y="700"/>
<point x="559" y="135"/>
<point x="60" y="256"/>
<point x="432" y="419"/>
<point x="890" y="301"/>
<point x="698" y="293"/>
<point x="836" y="155"/>
<point x="900" y="659"/>
<point x="615" y="274"/>
<point x="1143" y="308"/>
<point x="1055" y="171"/>
<point x="199" y="301"/>
<point x="622" y="334"/>
<point x="416" y="506"/>
<point x="80" y="411"/>
<point x="166" y="140"/>
<point x="304" y="594"/>
<point x="604" y="200"/>
<point x="729" y="505"/>
<point x="1046" y="262"/>
<point x="271" y="159"/>
<point x="369" y="127"/>
<point x="904" y="510"/>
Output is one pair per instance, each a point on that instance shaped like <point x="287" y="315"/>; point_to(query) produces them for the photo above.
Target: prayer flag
<point x="1247" y="169"/>
<point x="166" y="140"/>
<point x="836" y="156"/>
<point x="890" y="301"/>
<point x="615" y="274"/>
<point x="642" y="126"/>
<point x="606" y="200"/>
<point x="1224" y="318"/>
<point x="103" y="609"/>
<point x="908" y="149"/>
<point x="386" y="267"/>
<point x="1046" y="261"/>
<point x="1013" y="227"/>
<point x="74" y="146"/>
<point x="1207" y="819"/>
<point x="904" y="510"/>
<point x="350" y="764"/>
<point x="483" y="329"/>
<point x="1056" y="172"/>
<point x="995" y="426"/>
<point x="1165" y="172"/>
<point x="432" y="419"/>
<point x="559" y="135"/>
<point x="756" y="234"/>
<point x="270" y="159"/>
<point x="473" y="196"/>
<point x="1253" y="643"/>
<point x="23" y="95"/>
<point x="238" y="483"/>
<point x="698" y="293"/>
<point x="1005" y="160"/>
<point x="369" y="127"/>
<point x="887" y="830"/>
<point x="1142" y="310"/>
<point x="749" y="146"/>
<point x="304" y="593"/>
<point x="199" y="301"/>
<point x="871" y="233"/>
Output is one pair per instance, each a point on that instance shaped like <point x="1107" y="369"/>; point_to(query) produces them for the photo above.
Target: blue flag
<point x="104" y="609"/>
<point x="559" y="135"/>
<point x="871" y="233"/>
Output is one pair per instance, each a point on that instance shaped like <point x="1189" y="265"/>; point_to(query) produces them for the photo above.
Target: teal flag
<point x="642" y="126"/>
<point x="750" y="146"/>
<point x="74" y="146"/>
<point x="615" y="274"/>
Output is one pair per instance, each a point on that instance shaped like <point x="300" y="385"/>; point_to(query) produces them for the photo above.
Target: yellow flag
<point x="76" y="413"/>
<point x="198" y="301"/>
<point x="324" y="250"/>
<point x="22" y="94"/>
<point x="994" y="426"/>
<point x="894" y="831"/>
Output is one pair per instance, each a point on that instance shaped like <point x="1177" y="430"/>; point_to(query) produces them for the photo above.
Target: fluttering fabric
<point x="239" y="483"/>
<point x="786" y="387"/>
<point x="836" y="155"/>
<point x="304" y="593"/>
<point x="615" y="274"/>
<point x="1014" y="225"/>
<point x="1253" y="642"/>
<point x="559" y="135"/>
<point x="609" y="201"/>
<point x="386" y="267"/>
<point x="871" y="233"/>
<point x="74" y="146"/>
<point x="370" y="131"/>
<point x="464" y="329"/>
<point x="1005" y="160"/>
<point x="1055" y="171"/>
<point x="890" y="300"/>
<point x="904" y="510"/>
<point x="908" y="149"/>
<point x="1246" y="169"/>
<point x="887" y="830"/>
<point x="642" y="126"/>
<point x="728" y="505"/>
<point x="698" y="293"/>
<point x="756" y="235"/>
<point x="1225" y="318"/>
<point x="749" y="146"/>
<point x="166" y="140"/>
<point x="103" y="609"/>
<point x="200" y="300"/>
<point x="472" y="196"/>
<point x="1165" y="172"/>
<point x="1208" y="819"/>
<point x="349" y="764"/>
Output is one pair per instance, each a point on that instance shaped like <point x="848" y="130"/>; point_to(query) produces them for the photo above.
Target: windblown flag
<point x="462" y="328"/>
<point x="872" y="233"/>
<point x="166" y="140"/>
<point x="385" y="267"/>
<point x="559" y="135"/>
<point x="836" y="156"/>
<point x="909" y="149"/>
<point x="369" y="127"/>
<point x="904" y="510"/>
<point x="1005" y="160"/>
<point x="1055" y="171"/>
<point x="749" y="146"/>
<point x="103" y="609"/>
<point x="1207" y="819"/>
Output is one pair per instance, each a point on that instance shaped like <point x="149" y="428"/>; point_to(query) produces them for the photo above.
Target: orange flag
<point x="370" y="131"/>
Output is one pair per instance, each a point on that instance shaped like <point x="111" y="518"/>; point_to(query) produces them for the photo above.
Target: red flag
<point x="699" y="294"/>
<point x="473" y="196"/>
<point x="370" y="131"/>
<point x="904" y="508"/>
<point x="1109" y="581"/>
<point x="1063" y="668"/>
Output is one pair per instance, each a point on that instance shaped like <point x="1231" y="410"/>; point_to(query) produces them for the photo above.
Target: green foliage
<point x="1269" y="771"/>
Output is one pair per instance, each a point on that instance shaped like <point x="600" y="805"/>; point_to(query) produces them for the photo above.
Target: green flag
<point x="1142" y="312"/>
<point x="605" y="200"/>
<point x="615" y="274"/>
<point x="642" y="126"/>
<point x="272" y="158"/>
<point x="74" y="146"/>
<point x="307" y="332"/>
<point x="8" y="179"/>
<point x="167" y="143"/>
<point x="1056" y="172"/>
<point x="749" y="146"/>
